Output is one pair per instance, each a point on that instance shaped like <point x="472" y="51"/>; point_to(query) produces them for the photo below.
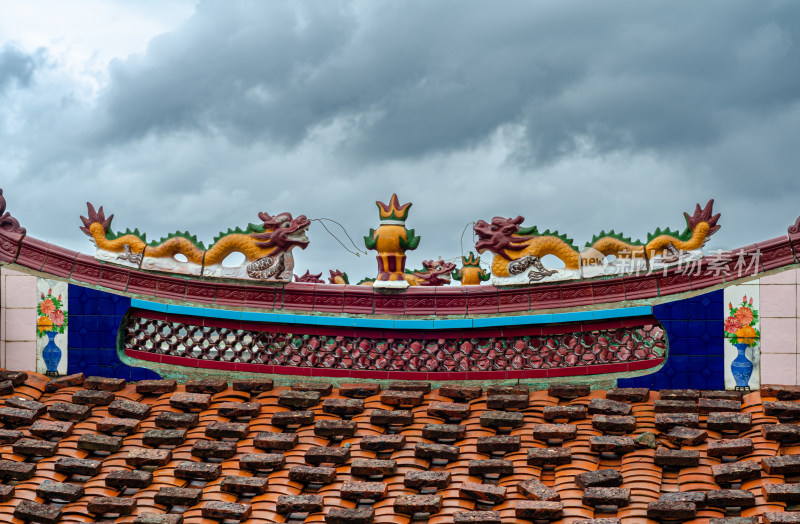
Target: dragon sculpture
<point x="433" y="273"/>
<point x="471" y="272"/>
<point x="518" y="250"/>
<point x="267" y="248"/>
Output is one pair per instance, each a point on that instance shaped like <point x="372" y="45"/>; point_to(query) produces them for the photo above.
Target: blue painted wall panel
<point x="94" y="320"/>
<point x="695" y="335"/>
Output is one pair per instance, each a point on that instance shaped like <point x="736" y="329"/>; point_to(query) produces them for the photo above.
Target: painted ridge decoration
<point x="267" y="248"/>
<point x="519" y="250"/>
<point x="391" y="240"/>
<point x="516" y="262"/>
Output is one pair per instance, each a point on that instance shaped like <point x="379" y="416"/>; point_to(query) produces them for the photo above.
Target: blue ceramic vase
<point x="51" y="354"/>
<point x="741" y="367"/>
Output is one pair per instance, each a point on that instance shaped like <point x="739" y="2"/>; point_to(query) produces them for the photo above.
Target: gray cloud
<point x="427" y="77"/>
<point x="16" y="67"/>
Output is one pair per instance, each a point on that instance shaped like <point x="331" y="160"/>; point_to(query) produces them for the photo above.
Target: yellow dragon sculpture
<point x="266" y="248"/>
<point x="518" y="249"/>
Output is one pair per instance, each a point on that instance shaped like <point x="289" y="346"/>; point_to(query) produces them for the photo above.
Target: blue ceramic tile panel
<point x="94" y="320"/>
<point x="695" y="358"/>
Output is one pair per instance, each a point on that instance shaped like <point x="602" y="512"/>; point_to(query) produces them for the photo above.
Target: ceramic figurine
<point x="337" y="277"/>
<point x="471" y="272"/>
<point x="433" y="273"/>
<point x="267" y="248"/>
<point x="309" y="278"/>
<point x="391" y="240"/>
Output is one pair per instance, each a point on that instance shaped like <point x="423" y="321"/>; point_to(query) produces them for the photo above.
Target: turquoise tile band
<point x="386" y="323"/>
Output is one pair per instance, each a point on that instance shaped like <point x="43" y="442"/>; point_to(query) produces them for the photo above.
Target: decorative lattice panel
<point x="578" y="348"/>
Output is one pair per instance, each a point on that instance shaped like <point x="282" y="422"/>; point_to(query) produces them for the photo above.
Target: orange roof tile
<point x="157" y="452"/>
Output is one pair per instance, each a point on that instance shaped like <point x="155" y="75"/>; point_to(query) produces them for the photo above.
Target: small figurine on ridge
<point x="471" y="272"/>
<point x="309" y="278"/>
<point x="337" y="277"/>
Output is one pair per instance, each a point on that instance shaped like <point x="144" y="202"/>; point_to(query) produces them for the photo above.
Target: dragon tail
<point x="95" y="217"/>
<point x="703" y="215"/>
<point x="699" y="226"/>
<point x="97" y="227"/>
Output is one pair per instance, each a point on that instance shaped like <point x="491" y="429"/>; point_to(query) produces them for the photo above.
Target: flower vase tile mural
<point x="742" y="337"/>
<point x="52" y="320"/>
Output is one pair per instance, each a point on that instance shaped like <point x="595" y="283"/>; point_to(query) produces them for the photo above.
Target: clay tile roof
<point x="159" y="452"/>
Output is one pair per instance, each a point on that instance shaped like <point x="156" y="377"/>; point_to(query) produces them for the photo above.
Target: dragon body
<point x="266" y="248"/>
<point x="517" y="249"/>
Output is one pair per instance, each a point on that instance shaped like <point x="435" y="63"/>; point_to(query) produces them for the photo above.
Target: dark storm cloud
<point x="426" y="77"/>
<point x="16" y="67"/>
<point x="580" y="116"/>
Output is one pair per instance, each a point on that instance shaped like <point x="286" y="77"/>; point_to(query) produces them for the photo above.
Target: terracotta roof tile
<point x="433" y="446"/>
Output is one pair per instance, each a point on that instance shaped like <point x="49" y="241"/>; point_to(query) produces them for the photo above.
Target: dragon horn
<point x="97" y="216"/>
<point x="704" y="215"/>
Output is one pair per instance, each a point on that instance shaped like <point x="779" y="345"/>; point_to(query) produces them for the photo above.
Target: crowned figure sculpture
<point x="391" y="240"/>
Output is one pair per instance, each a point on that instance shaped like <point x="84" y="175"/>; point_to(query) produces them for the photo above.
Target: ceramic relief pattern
<point x="227" y="344"/>
<point x="742" y="328"/>
<point x="52" y="320"/>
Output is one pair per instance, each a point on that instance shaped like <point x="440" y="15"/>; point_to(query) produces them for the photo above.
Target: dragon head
<point x="437" y="272"/>
<point x="282" y="232"/>
<point x="500" y="236"/>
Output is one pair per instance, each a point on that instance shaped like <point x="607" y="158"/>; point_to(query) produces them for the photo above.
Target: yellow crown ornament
<point x="391" y="240"/>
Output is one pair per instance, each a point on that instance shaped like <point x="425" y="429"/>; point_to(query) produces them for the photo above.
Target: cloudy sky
<point x="579" y="116"/>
